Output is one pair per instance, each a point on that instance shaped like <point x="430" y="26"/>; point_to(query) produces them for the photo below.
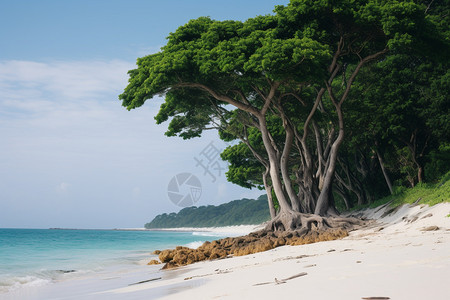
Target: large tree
<point x="288" y="76"/>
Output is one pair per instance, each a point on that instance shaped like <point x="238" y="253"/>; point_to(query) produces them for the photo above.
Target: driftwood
<point x="204" y="275"/>
<point x="144" y="281"/>
<point x="281" y="281"/>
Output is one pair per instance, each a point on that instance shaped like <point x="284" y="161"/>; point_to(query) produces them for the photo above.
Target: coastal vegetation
<point x="237" y="212"/>
<point x="425" y="193"/>
<point x="430" y="194"/>
<point x="328" y="104"/>
<point x="248" y="211"/>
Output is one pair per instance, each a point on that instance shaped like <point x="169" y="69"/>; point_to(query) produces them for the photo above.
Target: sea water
<point x="36" y="257"/>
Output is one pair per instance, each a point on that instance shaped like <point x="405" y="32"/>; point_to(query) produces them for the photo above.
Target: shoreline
<point x="232" y="231"/>
<point x="244" y="229"/>
<point x="106" y="253"/>
<point x="405" y="255"/>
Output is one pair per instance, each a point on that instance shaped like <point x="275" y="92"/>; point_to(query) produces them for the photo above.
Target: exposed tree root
<point x="295" y="221"/>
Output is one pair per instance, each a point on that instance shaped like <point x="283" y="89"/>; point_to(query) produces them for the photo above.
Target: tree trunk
<point x="341" y="190"/>
<point x="323" y="202"/>
<point x="269" y="195"/>
<point x="274" y="167"/>
<point x="412" y="146"/>
<point x="284" y="169"/>
<point x="354" y="183"/>
<point x="385" y="174"/>
<point x="420" y="174"/>
<point x="305" y="177"/>
<point x="307" y="192"/>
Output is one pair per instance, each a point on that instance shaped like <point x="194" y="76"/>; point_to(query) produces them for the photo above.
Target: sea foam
<point x="194" y="245"/>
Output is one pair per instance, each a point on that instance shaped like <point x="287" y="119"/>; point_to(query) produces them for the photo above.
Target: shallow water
<point x="31" y="258"/>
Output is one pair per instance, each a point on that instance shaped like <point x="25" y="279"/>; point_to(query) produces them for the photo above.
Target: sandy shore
<point x="401" y="257"/>
<point x="405" y="255"/>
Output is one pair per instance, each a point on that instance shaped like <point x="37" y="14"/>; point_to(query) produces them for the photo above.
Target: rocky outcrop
<point x="254" y="242"/>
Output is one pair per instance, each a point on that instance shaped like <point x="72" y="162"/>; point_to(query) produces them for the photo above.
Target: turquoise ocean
<point x="35" y="257"/>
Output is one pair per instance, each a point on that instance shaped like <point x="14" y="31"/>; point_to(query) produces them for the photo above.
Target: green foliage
<point x="222" y="55"/>
<point x="295" y="45"/>
<point x="427" y="193"/>
<point x="217" y="74"/>
<point x="244" y="169"/>
<point x="430" y="194"/>
<point x="237" y="212"/>
<point x="438" y="162"/>
<point x="400" y="106"/>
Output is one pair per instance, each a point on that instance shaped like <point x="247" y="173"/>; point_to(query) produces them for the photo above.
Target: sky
<point x="70" y="155"/>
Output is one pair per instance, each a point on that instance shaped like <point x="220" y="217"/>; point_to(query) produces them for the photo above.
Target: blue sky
<point x="70" y="155"/>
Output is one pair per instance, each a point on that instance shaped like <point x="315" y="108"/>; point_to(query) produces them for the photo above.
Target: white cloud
<point x="64" y="110"/>
<point x="64" y="98"/>
<point x="64" y="120"/>
<point x="60" y="93"/>
<point x="69" y="80"/>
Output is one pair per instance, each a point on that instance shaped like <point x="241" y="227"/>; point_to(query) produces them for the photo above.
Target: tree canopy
<point x="290" y="86"/>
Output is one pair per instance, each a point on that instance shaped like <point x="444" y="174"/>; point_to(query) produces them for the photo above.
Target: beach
<point x="56" y="263"/>
<point x="404" y="255"/>
<point x="396" y="259"/>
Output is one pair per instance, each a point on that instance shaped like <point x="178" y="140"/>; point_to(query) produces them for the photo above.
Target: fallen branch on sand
<point x="281" y="281"/>
<point x="204" y="275"/>
<point x="144" y="281"/>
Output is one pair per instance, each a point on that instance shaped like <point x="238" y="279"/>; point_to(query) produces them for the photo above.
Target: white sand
<point x="394" y="258"/>
<point x="399" y="261"/>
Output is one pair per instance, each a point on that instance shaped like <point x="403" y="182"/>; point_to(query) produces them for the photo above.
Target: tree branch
<point x="224" y="98"/>
<point x="311" y="113"/>
<point x="268" y="100"/>
<point x="356" y="71"/>
<point x="336" y="55"/>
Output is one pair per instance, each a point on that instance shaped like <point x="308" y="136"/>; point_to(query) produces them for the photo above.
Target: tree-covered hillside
<point x="237" y="212"/>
